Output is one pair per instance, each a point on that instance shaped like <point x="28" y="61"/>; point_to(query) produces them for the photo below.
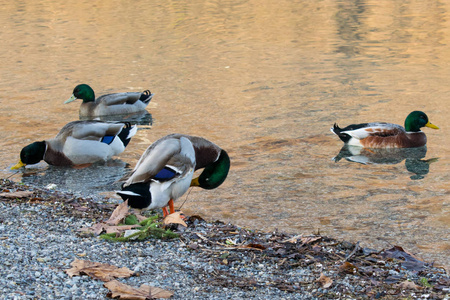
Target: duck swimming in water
<point x="79" y="143"/>
<point x="386" y="135"/>
<point x="111" y="104"/>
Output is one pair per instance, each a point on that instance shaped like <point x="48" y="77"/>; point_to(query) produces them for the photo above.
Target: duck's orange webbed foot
<point x="171" y="207"/>
<point x="165" y="212"/>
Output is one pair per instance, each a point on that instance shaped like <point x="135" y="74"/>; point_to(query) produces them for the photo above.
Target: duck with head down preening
<point x="165" y="171"/>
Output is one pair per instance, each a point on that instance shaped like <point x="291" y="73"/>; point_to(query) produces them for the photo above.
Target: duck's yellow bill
<point x="194" y="182"/>
<point x="431" y="125"/>
<point x="70" y="99"/>
<point x="19" y="165"/>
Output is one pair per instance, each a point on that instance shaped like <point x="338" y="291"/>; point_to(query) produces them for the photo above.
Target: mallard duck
<point x="165" y="171"/>
<point x="79" y="143"/>
<point x="111" y="104"/>
<point x="386" y="135"/>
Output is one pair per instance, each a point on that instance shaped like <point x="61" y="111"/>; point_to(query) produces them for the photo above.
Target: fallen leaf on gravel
<point x="293" y="239"/>
<point x="408" y="285"/>
<point x="118" y="214"/>
<point x="310" y="239"/>
<point x="119" y="229"/>
<point x="97" y="228"/>
<point x="254" y="246"/>
<point x="140" y="217"/>
<point x="174" y="218"/>
<point x="103" y="272"/>
<point x="304" y="239"/>
<point x="19" y="194"/>
<point x="122" y="291"/>
<point x="325" y="281"/>
<point x="411" y="262"/>
<point x="348" y="268"/>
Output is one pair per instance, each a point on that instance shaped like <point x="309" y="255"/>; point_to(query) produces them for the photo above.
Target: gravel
<point x="39" y="239"/>
<point x="37" y="246"/>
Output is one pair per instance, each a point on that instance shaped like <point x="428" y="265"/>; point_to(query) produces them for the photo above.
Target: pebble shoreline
<point x="37" y="248"/>
<point x="39" y="240"/>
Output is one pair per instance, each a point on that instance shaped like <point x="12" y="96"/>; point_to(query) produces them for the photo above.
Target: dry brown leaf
<point x="19" y="194"/>
<point x="103" y="272"/>
<point x="253" y="247"/>
<point x="96" y="229"/>
<point x="119" y="229"/>
<point x="174" y="218"/>
<point x="140" y="217"/>
<point x="348" y="268"/>
<point x="293" y="239"/>
<point x="408" y="285"/>
<point x="310" y="239"/>
<point x="123" y="291"/>
<point x="325" y="281"/>
<point x="118" y="214"/>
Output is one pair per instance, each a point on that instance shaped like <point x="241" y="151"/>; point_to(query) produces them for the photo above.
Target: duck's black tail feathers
<point x="127" y="133"/>
<point x="146" y="96"/>
<point x="137" y="194"/>
<point x="343" y="136"/>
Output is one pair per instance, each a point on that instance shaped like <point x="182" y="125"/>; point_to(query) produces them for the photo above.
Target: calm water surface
<point x="265" y="80"/>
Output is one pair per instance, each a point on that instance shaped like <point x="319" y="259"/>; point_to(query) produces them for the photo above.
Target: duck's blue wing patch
<point x="108" y="139"/>
<point x="165" y="174"/>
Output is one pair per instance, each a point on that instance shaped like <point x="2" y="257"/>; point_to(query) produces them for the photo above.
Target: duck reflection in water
<point x="413" y="158"/>
<point x="139" y="118"/>
<point x="98" y="178"/>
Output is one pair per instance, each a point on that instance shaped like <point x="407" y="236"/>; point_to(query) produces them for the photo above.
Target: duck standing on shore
<point x="386" y="135"/>
<point x="165" y="171"/>
<point x="79" y="143"/>
<point x="111" y="104"/>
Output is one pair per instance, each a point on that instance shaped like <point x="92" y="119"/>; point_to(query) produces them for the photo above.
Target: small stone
<point x="131" y="232"/>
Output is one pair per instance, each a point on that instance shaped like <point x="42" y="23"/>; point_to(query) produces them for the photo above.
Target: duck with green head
<point x="79" y="143"/>
<point x="165" y="171"/>
<point x="386" y="135"/>
<point x="111" y="104"/>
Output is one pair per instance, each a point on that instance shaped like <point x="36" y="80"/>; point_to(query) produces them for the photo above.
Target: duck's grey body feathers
<point x="111" y="104"/>
<point x="165" y="170"/>
<point x="84" y="142"/>
<point x="177" y="152"/>
<point x="114" y="104"/>
<point x="175" y="155"/>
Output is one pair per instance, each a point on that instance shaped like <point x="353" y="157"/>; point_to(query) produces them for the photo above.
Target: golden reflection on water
<point x="264" y="80"/>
